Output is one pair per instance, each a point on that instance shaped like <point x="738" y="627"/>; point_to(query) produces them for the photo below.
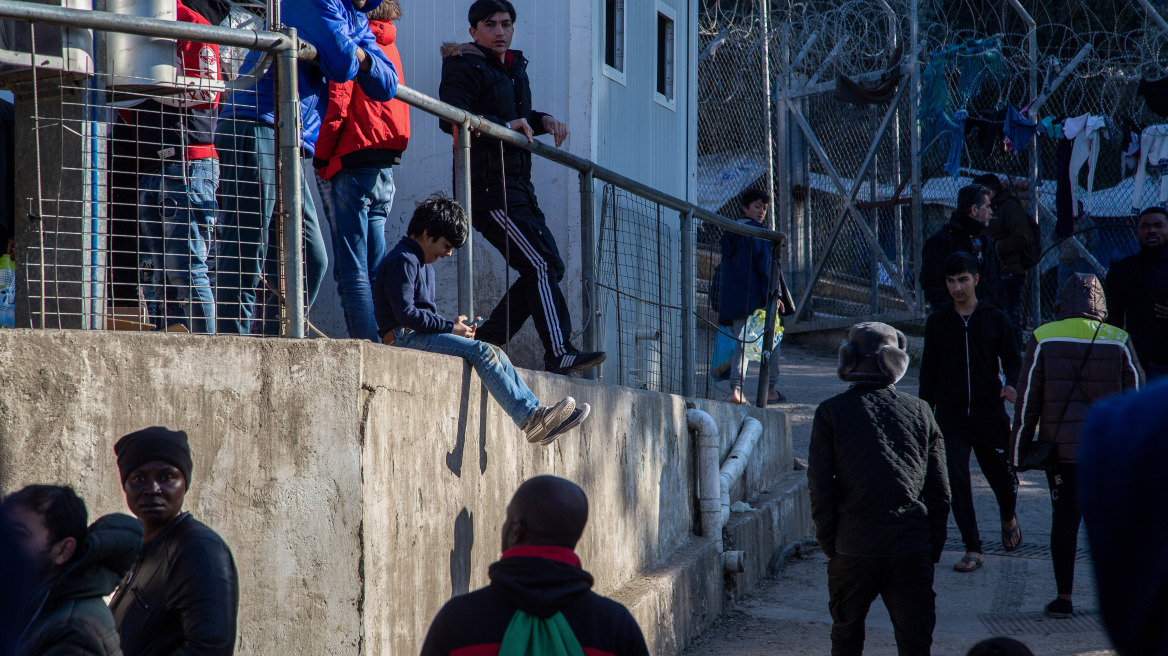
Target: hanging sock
<point x="1051" y="127"/>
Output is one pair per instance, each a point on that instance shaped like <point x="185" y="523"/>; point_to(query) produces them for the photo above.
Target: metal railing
<point x="286" y="48"/>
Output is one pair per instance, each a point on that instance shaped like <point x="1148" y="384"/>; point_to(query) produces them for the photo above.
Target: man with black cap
<point x="540" y="600"/>
<point x="879" y="494"/>
<point x="182" y="595"/>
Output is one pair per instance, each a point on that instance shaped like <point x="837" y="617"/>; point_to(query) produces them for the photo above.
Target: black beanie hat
<point x="150" y="444"/>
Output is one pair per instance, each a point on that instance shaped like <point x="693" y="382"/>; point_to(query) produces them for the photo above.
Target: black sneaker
<point x="574" y="362"/>
<point x="575" y="419"/>
<point x="1059" y="609"/>
<point x="544" y="420"/>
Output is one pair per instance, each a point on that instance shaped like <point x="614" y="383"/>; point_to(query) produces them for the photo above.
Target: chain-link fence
<point x="799" y="99"/>
<point x="149" y="193"/>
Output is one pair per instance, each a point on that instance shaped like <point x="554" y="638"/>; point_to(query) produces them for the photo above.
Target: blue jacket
<point x="746" y="272"/>
<point x="336" y="30"/>
<point x="403" y="292"/>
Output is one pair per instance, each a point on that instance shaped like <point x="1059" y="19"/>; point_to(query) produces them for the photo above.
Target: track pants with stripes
<point x="521" y="234"/>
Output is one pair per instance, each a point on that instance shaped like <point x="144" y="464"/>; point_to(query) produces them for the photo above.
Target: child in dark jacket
<point x="407" y="316"/>
<point x="745" y="282"/>
<point x="967" y="344"/>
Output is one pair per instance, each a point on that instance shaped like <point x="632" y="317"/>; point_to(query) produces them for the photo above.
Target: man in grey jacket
<point x="879" y="494"/>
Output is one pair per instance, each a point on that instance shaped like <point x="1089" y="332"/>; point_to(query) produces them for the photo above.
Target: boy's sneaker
<point x="1060" y="609"/>
<point x="544" y="420"/>
<point x="574" y="362"/>
<point x="575" y="419"/>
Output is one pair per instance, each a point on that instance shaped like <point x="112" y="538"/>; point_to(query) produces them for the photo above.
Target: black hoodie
<point x="961" y="233"/>
<point x="71" y="617"/>
<point x="540" y="581"/>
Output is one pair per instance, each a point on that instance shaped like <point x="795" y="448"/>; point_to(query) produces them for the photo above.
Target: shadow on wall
<point x="460" y="554"/>
<point x="454" y="458"/>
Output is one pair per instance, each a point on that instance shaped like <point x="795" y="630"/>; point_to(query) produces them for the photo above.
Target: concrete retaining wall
<point x="360" y="486"/>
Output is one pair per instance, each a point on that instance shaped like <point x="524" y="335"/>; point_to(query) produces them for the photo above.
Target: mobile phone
<point x="474" y="323"/>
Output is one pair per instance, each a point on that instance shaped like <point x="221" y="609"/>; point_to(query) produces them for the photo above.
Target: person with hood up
<point x="361" y="140"/>
<point x="488" y="79"/>
<point x="879" y="494"/>
<point x="539" y="601"/>
<point x="965" y="232"/>
<point x="1069" y="365"/>
<point x="1016" y="237"/>
<point x="246" y="140"/>
<point x="75" y="568"/>
<point x="967" y="344"/>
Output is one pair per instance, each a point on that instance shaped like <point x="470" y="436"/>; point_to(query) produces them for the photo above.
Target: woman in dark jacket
<point x="1069" y="364"/>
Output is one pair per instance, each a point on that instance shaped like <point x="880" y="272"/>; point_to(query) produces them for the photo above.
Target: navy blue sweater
<point x="403" y="292"/>
<point x="746" y="273"/>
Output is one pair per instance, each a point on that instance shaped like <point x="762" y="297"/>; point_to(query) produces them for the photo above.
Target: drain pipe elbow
<point x="733" y="562"/>
<point x="736" y="463"/>
<point x="709" y="490"/>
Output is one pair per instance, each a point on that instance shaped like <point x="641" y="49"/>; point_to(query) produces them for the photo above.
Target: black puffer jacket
<point x="1011" y="230"/>
<point x="1069" y="365"/>
<point x="876" y="472"/>
<point x="475" y="80"/>
<point x="961" y="362"/>
<point x="182" y="596"/>
<point x="72" y="617"/>
<point x="964" y="234"/>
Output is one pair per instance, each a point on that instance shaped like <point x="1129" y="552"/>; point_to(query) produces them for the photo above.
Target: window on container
<point x="665" y="35"/>
<point x="614" y="34"/>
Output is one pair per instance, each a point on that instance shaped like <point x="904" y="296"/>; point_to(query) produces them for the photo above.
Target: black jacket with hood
<point x="182" y="595"/>
<point x="960" y="369"/>
<point x="1134" y="285"/>
<point x="1012" y="230"/>
<point x="964" y="234"/>
<point x="540" y="581"/>
<point x="473" y="79"/>
<point x="71" y="616"/>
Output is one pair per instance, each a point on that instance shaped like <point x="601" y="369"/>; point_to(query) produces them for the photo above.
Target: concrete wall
<point x="360" y="486"/>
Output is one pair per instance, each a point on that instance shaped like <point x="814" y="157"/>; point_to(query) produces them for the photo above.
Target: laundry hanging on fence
<point x="1155" y="93"/>
<point x="871" y="93"/>
<point x="1051" y="127"/>
<point x="1085" y="132"/>
<point x="1019" y="129"/>
<point x="1131" y="142"/>
<point x="987" y="131"/>
<point x="1152" y="158"/>
<point x="975" y="61"/>
<point x="1063" y="197"/>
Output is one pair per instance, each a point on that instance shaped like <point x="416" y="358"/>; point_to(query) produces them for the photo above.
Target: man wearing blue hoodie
<point x="245" y="139"/>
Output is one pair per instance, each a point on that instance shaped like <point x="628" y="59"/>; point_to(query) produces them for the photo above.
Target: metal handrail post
<point x="688" y="334"/>
<point x="462" y="194"/>
<point x="768" y="336"/>
<point x="588" y="263"/>
<point x="289" y="199"/>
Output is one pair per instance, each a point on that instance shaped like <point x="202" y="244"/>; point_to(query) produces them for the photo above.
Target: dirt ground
<point x="788" y="615"/>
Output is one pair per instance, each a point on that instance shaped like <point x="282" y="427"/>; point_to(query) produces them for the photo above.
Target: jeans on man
<point x="491" y="363"/>
<point x="247" y="152"/>
<point x="1012" y="285"/>
<point x="176" y="213"/>
<point x="358" y="204"/>
<point x="739" y="364"/>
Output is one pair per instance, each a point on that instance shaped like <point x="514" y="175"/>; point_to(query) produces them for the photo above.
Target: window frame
<point x="669" y="101"/>
<point x="620" y="30"/>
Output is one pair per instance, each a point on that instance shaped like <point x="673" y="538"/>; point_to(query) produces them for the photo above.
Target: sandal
<point x="1012" y="537"/>
<point x="968" y="564"/>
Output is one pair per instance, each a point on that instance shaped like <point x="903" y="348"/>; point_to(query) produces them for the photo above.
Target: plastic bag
<point x="7" y="292"/>
<point x="752" y="334"/>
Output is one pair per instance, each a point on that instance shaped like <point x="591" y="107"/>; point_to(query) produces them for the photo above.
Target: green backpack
<point x="528" y="635"/>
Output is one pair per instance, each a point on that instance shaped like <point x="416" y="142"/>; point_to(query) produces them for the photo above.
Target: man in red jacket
<point x="360" y="142"/>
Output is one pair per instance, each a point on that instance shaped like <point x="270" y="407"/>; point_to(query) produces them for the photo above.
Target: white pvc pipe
<point x="708" y="483"/>
<point x="736" y="463"/>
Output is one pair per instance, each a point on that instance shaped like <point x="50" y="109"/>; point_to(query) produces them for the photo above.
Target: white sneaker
<point x="544" y="420"/>
<point x="575" y="419"/>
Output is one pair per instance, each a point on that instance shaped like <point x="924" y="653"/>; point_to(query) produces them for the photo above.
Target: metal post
<point x="782" y="202"/>
<point x="288" y="195"/>
<point x="874" y="212"/>
<point x="915" y="145"/>
<point x="764" y="365"/>
<point x="688" y="334"/>
<point x="588" y="265"/>
<point x="462" y="195"/>
<point x="1032" y="39"/>
<point x="764" y="22"/>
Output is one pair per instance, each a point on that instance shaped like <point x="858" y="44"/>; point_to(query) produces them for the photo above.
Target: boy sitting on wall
<point x="407" y="316"/>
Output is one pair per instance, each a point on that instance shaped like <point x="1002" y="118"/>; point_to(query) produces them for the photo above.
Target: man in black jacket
<point x="967" y="343"/>
<point x="879" y="494"/>
<point x="74" y="568"/>
<point x="964" y="232"/>
<point x="489" y="79"/>
<point x="182" y="595"/>
<point x="1017" y="239"/>
<point x="1137" y="293"/>
<point x="537" y="588"/>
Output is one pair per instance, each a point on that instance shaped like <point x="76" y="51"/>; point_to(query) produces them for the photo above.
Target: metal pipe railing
<point x="289" y="192"/>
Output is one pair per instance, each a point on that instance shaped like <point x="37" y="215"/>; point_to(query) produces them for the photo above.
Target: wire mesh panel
<point x="147" y="180"/>
<point x="638" y="291"/>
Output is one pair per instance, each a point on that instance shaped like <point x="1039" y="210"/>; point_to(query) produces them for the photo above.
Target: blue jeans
<point x="359" y="200"/>
<point x="176" y="213"/>
<point x="247" y="151"/>
<point x="491" y="363"/>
